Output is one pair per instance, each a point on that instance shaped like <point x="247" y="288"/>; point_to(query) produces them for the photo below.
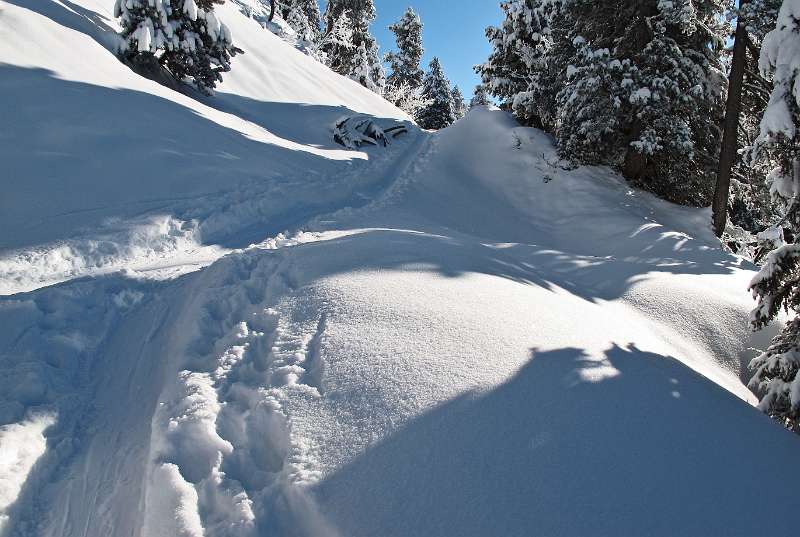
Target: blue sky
<point x="454" y="31"/>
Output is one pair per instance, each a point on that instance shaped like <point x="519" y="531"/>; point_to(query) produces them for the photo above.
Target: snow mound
<point x="458" y="334"/>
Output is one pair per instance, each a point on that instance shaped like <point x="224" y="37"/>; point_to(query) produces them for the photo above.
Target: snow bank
<point x="467" y="338"/>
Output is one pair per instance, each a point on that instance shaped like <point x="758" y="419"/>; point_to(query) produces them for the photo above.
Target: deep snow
<point x="455" y="335"/>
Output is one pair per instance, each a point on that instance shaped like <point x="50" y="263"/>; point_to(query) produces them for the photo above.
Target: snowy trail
<point x="458" y="335"/>
<point x="270" y="392"/>
<point x="122" y="399"/>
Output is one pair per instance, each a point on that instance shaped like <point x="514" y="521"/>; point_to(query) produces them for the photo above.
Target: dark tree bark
<point x="271" y="10"/>
<point x="727" y="154"/>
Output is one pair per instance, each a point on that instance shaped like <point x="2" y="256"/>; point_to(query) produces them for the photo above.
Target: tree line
<point x="185" y="40"/>
<point x="697" y="101"/>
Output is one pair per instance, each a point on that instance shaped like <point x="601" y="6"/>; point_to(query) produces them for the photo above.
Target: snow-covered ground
<point x="258" y="332"/>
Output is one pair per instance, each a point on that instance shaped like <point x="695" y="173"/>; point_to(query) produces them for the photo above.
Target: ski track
<point x="219" y="453"/>
<point x="225" y="429"/>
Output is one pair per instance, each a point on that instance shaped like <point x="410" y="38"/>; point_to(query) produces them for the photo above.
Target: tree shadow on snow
<point x="574" y="445"/>
<point x="73" y="16"/>
<point x="456" y="255"/>
<point x="307" y="124"/>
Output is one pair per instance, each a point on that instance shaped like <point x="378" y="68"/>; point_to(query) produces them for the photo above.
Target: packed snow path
<point x="457" y="335"/>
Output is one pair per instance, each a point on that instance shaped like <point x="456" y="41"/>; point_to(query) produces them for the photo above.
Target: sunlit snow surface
<point x="260" y="333"/>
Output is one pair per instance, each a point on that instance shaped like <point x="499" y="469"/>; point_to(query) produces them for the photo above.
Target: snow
<point x="257" y="332"/>
<point x="233" y="146"/>
<point x="21" y="444"/>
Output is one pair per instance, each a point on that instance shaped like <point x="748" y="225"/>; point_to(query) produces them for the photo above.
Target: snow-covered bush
<point x="406" y="98"/>
<point x="303" y="16"/>
<point x="355" y="131"/>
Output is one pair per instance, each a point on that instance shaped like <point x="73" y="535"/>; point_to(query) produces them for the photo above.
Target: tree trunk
<point x="727" y="154"/>
<point x="633" y="168"/>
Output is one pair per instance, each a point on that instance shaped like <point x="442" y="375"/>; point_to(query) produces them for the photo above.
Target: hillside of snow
<point x="108" y="169"/>
<point x="217" y="322"/>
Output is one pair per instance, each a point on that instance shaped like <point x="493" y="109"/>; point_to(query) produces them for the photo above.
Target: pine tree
<point x="675" y="130"/>
<point x="438" y="113"/>
<point x="480" y="97"/>
<point x="750" y="205"/>
<point x="304" y="18"/>
<point x="182" y="36"/>
<point x="517" y="71"/>
<point x="590" y="104"/>
<point x="459" y="107"/>
<point x="348" y="46"/>
<point x="404" y="64"/>
<point x="777" y="285"/>
<point x="635" y="84"/>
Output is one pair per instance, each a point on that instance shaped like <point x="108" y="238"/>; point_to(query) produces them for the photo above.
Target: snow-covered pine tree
<point x="479" y="97"/>
<point x="777" y="285"/>
<point x="146" y="28"/>
<point x="631" y="83"/>
<point x="438" y="112"/>
<point x="750" y="205"/>
<point x="590" y="105"/>
<point x="348" y="46"/>
<point x="676" y="94"/>
<point x="505" y="74"/>
<point x="517" y="71"/>
<point x="183" y="36"/>
<point x="459" y="106"/>
<point x="206" y="47"/>
<point x="304" y="18"/>
<point x="659" y="71"/>
<point x="406" y="73"/>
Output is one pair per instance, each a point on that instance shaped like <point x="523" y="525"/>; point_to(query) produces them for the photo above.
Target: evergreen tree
<point x="750" y="205"/>
<point x="777" y="285"/>
<point x="438" y="112"/>
<point x="304" y="18"/>
<point x="459" y="107"/>
<point x="518" y="71"/>
<point x="182" y="36"/>
<point x="404" y="64"/>
<point x="635" y="84"/>
<point x="480" y="97"/>
<point x="349" y="48"/>
<point x="590" y="103"/>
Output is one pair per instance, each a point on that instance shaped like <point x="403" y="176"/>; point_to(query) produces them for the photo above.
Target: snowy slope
<point x="456" y="336"/>
<point x="134" y="172"/>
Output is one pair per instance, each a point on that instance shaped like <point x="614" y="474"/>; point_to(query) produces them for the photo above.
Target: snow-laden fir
<point x="216" y="321"/>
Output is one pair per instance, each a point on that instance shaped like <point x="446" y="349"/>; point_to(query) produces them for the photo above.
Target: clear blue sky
<point x="453" y="31"/>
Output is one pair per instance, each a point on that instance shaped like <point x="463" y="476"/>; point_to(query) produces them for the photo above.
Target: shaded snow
<point x="457" y="335"/>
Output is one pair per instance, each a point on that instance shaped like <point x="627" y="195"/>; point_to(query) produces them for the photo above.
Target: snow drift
<point x="455" y="335"/>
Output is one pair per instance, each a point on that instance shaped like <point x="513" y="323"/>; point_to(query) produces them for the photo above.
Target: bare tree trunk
<point x="727" y="154"/>
<point x="271" y="10"/>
